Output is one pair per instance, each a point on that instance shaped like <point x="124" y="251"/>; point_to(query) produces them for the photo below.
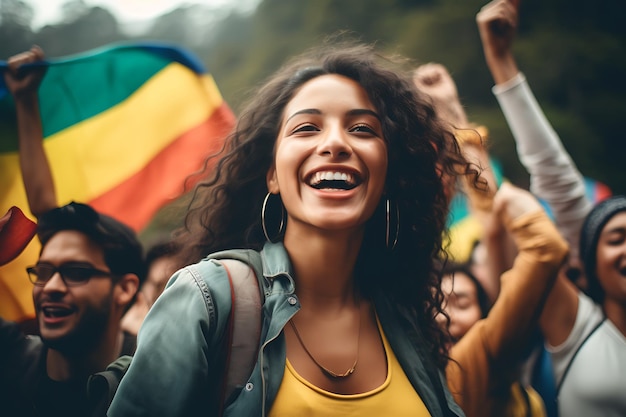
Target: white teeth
<point x="332" y="176"/>
<point x="56" y="311"/>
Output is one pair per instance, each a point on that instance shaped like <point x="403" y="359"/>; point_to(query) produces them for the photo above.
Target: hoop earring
<point x="263" y="218"/>
<point x="391" y="245"/>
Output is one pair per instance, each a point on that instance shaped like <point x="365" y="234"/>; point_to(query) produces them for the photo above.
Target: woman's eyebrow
<point x="303" y="111"/>
<point x="614" y="229"/>
<point x="359" y="112"/>
<point x="354" y="112"/>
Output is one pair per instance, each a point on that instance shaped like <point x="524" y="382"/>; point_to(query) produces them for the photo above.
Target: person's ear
<point x="125" y="289"/>
<point x="272" y="180"/>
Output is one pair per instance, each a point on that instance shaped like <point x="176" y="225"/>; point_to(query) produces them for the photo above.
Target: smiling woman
<point x="345" y="158"/>
<point x="331" y="131"/>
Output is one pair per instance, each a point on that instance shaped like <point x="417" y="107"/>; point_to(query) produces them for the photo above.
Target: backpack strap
<point x="101" y="386"/>
<point x="569" y="364"/>
<point x="248" y="256"/>
<point x="240" y="345"/>
<point x="244" y="328"/>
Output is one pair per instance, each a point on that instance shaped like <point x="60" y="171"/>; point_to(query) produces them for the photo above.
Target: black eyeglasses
<point x="72" y="275"/>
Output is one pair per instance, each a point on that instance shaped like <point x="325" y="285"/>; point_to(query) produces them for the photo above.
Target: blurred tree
<point x="16" y="17"/>
<point x="83" y="29"/>
<point x="16" y="12"/>
<point x="170" y="27"/>
<point x="73" y="9"/>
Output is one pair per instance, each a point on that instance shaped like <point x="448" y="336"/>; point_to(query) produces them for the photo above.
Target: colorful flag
<point x="124" y="127"/>
<point x="464" y="230"/>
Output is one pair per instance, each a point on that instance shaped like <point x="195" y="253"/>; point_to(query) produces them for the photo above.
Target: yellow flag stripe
<point x="136" y="130"/>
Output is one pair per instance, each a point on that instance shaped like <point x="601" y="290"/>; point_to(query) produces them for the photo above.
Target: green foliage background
<point x="572" y="52"/>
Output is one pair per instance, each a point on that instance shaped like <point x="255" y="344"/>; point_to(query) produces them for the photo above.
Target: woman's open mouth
<point x="333" y="180"/>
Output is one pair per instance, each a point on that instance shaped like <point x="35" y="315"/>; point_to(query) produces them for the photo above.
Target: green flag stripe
<point x="93" y="85"/>
<point x="86" y="87"/>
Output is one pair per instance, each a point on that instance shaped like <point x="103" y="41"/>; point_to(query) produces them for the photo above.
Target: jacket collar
<point x="277" y="267"/>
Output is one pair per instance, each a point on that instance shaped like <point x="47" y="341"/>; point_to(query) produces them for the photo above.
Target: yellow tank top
<point x="395" y="397"/>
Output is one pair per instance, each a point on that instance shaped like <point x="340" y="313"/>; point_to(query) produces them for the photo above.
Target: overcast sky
<point x="49" y="11"/>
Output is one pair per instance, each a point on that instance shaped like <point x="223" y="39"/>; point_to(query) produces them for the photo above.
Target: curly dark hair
<point x="225" y="210"/>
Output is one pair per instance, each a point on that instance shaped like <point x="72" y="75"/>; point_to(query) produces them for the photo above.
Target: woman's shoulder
<point x="206" y="276"/>
<point x="588" y="316"/>
<point x="209" y="277"/>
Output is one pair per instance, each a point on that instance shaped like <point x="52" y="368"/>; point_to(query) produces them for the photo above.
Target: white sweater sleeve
<point x="554" y="177"/>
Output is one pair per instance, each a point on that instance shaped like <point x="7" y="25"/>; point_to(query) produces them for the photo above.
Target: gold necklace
<point x="326" y="371"/>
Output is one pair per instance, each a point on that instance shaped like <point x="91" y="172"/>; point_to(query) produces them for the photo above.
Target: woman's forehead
<point x="329" y="87"/>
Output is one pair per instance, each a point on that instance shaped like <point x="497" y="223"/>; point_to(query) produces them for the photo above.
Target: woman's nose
<point x="334" y="142"/>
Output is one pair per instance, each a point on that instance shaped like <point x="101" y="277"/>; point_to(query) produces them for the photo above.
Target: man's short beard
<point x="88" y="333"/>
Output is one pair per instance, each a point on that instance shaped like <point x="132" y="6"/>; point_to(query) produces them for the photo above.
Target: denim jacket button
<point x="249" y="386"/>
<point x="292" y="300"/>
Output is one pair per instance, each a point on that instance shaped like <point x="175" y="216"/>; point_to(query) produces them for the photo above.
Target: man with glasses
<point x="87" y="275"/>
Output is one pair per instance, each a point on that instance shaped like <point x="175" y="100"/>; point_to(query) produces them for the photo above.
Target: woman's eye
<point x="464" y="305"/>
<point x="615" y="239"/>
<point x="305" y="128"/>
<point x="363" y="128"/>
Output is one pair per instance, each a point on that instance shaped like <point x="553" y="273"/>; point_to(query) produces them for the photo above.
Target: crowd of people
<point x="334" y="188"/>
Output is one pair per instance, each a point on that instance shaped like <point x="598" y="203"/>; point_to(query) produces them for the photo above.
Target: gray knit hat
<point x="589" y="236"/>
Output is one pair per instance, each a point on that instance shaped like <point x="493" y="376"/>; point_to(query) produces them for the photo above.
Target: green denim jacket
<point x="175" y="370"/>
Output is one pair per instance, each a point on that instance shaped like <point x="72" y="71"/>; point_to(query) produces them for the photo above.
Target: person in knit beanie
<point x="589" y="236"/>
<point x="585" y="333"/>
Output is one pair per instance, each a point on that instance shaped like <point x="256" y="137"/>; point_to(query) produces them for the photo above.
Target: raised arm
<point x="23" y="83"/>
<point x="483" y="358"/>
<point x="541" y="252"/>
<point x="553" y="175"/>
<point x="435" y="80"/>
<point x="497" y="24"/>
